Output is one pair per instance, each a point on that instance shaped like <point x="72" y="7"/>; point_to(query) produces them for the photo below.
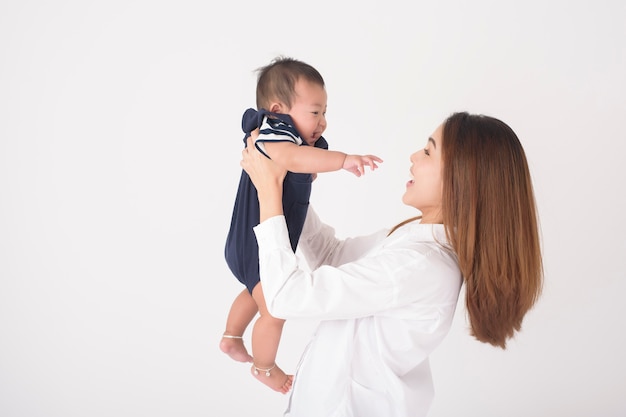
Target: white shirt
<point x="384" y="303"/>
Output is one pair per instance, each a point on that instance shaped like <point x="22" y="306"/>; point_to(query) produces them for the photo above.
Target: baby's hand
<point x="356" y="163"/>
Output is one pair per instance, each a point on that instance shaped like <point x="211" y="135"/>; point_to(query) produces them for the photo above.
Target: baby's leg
<point x="265" y="340"/>
<point x="241" y="313"/>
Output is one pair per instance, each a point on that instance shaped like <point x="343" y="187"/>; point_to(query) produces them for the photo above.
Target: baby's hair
<point x="276" y="81"/>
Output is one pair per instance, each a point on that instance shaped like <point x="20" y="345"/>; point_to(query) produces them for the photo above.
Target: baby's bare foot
<point x="273" y="377"/>
<point x="233" y="347"/>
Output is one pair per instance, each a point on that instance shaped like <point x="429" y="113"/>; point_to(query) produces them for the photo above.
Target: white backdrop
<point x="120" y="144"/>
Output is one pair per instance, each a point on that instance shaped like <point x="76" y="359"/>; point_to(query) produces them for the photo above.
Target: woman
<point x="386" y="300"/>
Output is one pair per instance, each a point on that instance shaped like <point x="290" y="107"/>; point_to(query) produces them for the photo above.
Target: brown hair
<point x="277" y="80"/>
<point x="490" y="219"/>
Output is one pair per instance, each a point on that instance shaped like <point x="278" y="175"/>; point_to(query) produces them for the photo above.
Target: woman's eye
<point x="427" y="152"/>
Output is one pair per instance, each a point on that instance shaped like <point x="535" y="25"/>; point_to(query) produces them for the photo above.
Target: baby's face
<point x="308" y="110"/>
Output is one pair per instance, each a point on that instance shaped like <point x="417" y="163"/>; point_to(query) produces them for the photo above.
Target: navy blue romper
<point x="241" y="250"/>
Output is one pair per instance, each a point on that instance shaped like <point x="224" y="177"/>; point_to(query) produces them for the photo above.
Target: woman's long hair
<point x="490" y="219"/>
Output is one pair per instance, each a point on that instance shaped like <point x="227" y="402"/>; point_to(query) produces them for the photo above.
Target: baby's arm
<point x="308" y="159"/>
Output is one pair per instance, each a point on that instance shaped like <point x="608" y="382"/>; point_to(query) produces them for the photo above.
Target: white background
<point x="120" y="144"/>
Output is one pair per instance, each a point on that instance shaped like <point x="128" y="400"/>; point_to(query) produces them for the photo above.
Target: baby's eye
<point x="315" y="113"/>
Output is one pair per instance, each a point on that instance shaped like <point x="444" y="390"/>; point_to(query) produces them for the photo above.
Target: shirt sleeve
<point x="319" y="245"/>
<point x="274" y="130"/>
<point x="383" y="280"/>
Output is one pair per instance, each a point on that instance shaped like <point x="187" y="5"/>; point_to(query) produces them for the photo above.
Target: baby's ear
<point x="278" y="107"/>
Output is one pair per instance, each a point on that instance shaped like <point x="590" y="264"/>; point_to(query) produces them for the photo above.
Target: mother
<point x="386" y="300"/>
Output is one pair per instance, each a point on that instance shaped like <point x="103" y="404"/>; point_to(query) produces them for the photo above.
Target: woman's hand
<point x="266" y="176"/>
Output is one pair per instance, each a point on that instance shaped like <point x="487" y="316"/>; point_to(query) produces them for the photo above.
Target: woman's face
<point x="424" y="190"/>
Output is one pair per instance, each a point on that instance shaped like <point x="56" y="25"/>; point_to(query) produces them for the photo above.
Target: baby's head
<point x="295" y="88"/>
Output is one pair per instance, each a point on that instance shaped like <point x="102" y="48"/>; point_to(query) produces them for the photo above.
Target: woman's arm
<point x="319" y="245"/>
<point x="397" y="274"/>
<point x="267" y="177"/>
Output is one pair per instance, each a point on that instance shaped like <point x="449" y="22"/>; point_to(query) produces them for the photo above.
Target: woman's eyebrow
<point x="433" y="142"/>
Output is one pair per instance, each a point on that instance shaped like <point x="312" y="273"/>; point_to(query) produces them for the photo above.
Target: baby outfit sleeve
<point x="275" y="130"/>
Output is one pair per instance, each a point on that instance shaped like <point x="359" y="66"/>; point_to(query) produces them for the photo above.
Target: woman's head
<point x="473" y="177"/>
<point x="488" y="209"/>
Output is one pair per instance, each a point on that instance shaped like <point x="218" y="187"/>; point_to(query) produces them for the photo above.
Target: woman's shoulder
<point x="416" y="232"/>
<point x="423" y="242"/>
